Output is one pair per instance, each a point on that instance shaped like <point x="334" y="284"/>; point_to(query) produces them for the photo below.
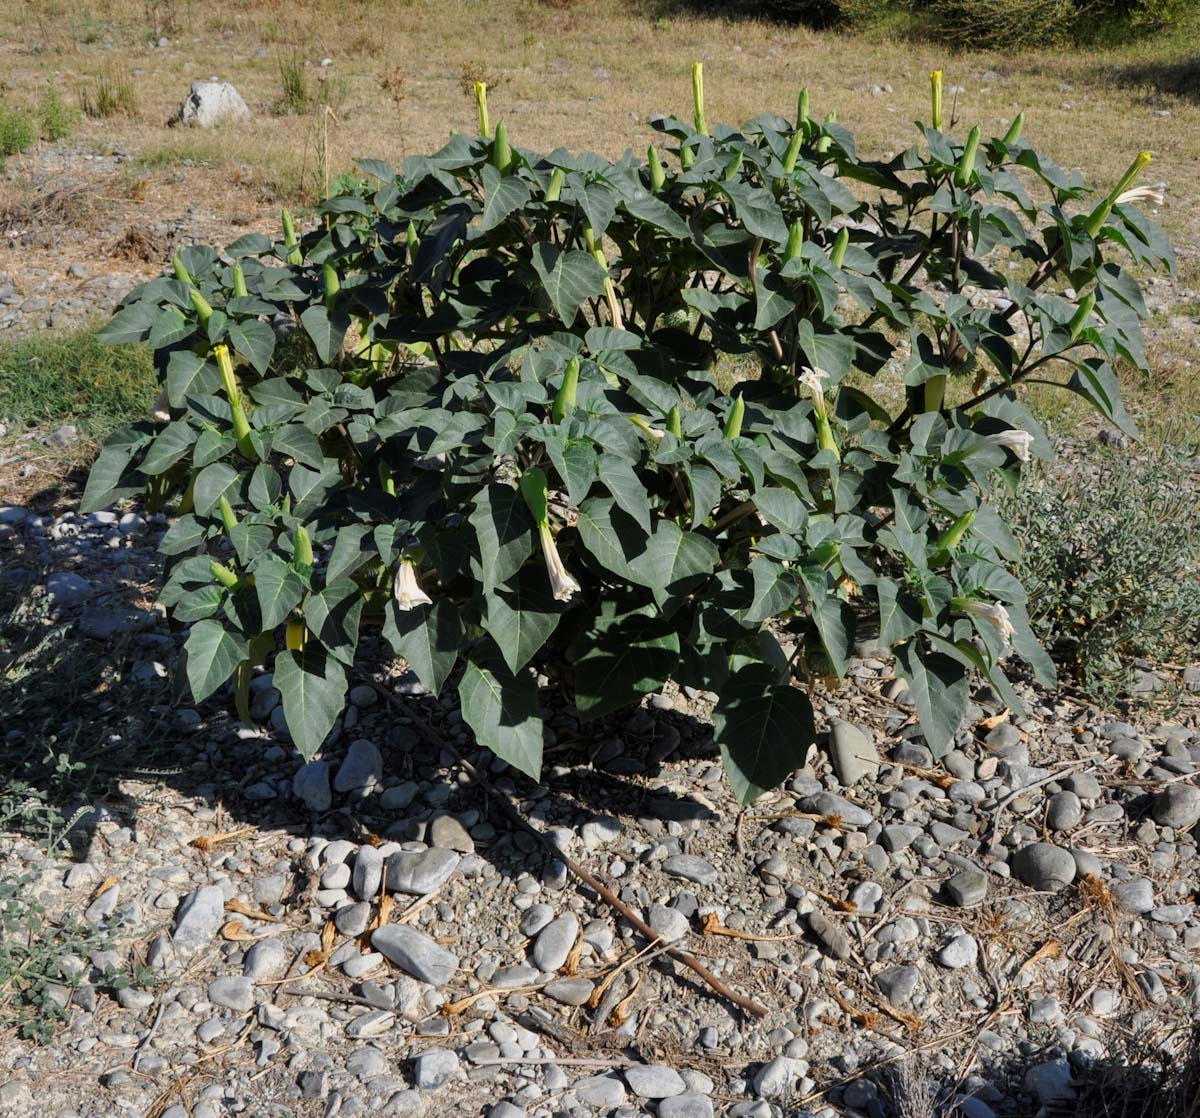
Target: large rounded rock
<point x="212" y="103"/>
<point x="1177" y="806"/>
<point x="1044" y="866"/>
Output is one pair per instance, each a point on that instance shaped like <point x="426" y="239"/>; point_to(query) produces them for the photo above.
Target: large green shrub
<point x="1111" y="560"/>
<point x="509" y="434"/>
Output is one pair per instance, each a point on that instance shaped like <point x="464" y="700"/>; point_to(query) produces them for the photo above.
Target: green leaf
<point x="939" y="689"/>
<point x="502" y="195"/>
<point x="169" y="327"/>
<point x="189" y="374"/>
<point x="611" y="536"/>
<point x="130" y="324"/>
<point x="172" y="444"/>
<point x="255" y="341"/>
<point x="250" y="540"/>
<point x="575" y="461"/>
<point x="348" y="552"/>
<point x="833" y="618"/>
<point x="212" y="655"/>
<point x="521" y="615"/>
<point x="626" y="654"/>
<point x="674" y="563"/>
<point x="782" y="509"/>
<point x="774" y="589"/>
<point x="622" y="482"/>
<point x="764" y="729"/>
<point x="312" y="687"/>
<point x="328" y="331"/>
<point x="570" y="278"/>
<point x="899" y="613"/>
<point x="504" y="530"/>
<point x="279" y="591"/>
<point x="502" y="709"/>
<point x="211" y="483"/>
<point x="333" y="616"/>
<point x="427" y="637"/>
<point x="298" y="442"/>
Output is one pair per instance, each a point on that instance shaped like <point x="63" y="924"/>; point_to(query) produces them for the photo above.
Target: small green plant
<point x="58" y="119"/>
<point x="1111" y="560"/>
<point x="17" y="131"/>
<point x="111" y="92"/>
<point x="293" y="85"/>
<point x="506" y="442"/>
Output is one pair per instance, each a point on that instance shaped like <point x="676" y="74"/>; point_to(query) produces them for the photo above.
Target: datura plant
<point x="708" y="417"/>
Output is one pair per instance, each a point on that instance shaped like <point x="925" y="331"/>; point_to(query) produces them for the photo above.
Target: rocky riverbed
<point x="369" y="932"/>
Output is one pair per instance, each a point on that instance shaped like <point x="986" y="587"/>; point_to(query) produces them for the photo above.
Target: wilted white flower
<point x="814" y="380"/>
<point x="1151" y="194"/>
<point x="562" y="585"/>
<point x="1015" y="440"/>
<point x="406" y="590"/>
<point x="162" y="407"/>
<point x="993" y="613"/>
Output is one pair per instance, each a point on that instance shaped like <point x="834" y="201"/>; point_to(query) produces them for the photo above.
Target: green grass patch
<point x="60" y="378"/>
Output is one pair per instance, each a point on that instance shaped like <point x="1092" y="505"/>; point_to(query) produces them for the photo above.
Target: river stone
<point x="830" y="934"/>
<point x="967" y="888"/>
<point x="420" y="872"/>
<point x="361" y="769"/>
<point x="960" y="952"/>
<point x="1063" y="811"/>
<point x="1044" y="866"/>
<point x="776" y="1079"/>
<point x="267" y="958"/>
<point x="569" y="991"/>
<point x="368" y="873"/>
<point x="826" y="803"/>
<point x="1177" y="806"/>
<point x="897" y="984"/>
<point x="434" y="1069"/>
<point x="232" y="992"/>
<point x="1136" y="896"/>
<point x="654" y="1081"/>
<point x="199" y="919"/>
<point x="415" y="953"/>
<point x="310" y="785"/>
<point x="554" y="943"/>
<point x="602" y="1092"/>
<point x="691" y="868"/>
<point x="689" y="1105"/>
<point x="1050" y="1082"/>
<point x="447" y="833"/>
<point x="852" y="754"/>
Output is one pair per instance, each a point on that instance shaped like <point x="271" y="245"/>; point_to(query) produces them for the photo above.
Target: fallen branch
<point x="602" y="891"/>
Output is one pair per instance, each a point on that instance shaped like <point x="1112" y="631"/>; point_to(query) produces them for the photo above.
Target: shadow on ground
<point x="1180" y="78"/>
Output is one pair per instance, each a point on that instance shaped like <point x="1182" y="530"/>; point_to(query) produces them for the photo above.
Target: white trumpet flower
<point x="406" y="590"/>
<point x="814" y="380"/>
<point x="991" y="612"/>
<point x="1015" y="440"/>
<point x="562" y="585"/>
<point x="1151" y="194"/>
<point x="162" y="407"/>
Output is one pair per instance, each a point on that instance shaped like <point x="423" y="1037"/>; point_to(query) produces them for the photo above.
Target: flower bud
<point x="1080" y="317"/>
<point x="554" y="189"/>
<point x="228" y="517"/>
<point x="223" y="575"/>
<point x="675" y="422"/>
<point x="297" y="636"/>
<point x="966" y="165"/>
<point x="331" y="283"/>
<point x="289" y="238"/>
<point x="302" y="548"/>
<point x="698" y="97"/>
<point x="658" y="174"/>
<point x="482" y="106"/>
<point x="564" y="400"/>
<point x="1099" y="215"/>
<point x="935" y="86"/>
<point x="952" y="537"/>
<point x="737" y="413"/>
<point x="239" y="281"/>
<point x="1014" y="130"/>
<point x="795" y="241"/>
<point x="838" y="253"/>
<point x="501" y="149"/>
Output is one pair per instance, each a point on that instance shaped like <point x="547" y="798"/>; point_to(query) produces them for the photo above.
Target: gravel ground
<point x="370" y="932"/>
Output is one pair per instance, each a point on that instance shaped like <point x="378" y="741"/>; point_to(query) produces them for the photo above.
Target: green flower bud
<point x="838" y="253"/>
<point x="481" y="104"/>
<point x="554" y="190"/>
<point x="1014" y="130"/>
<point x="698" y="97"/>
<point x="241" y="428"/>
<point x="332" y="284"/>
<point x="239" y="281"/>
<point x="1100" y="214"/>
<point x="792" y="154"/>
<point x="533" y="489"/>
<point x="303" y="547"/>
<point x="935" y="86"/>
<point x="687" y="156"/>
<point x="180" y="269"/>
<point x="658" y="174"/>
<point x="952" y="537"/>
<point x="733" y="166"/>
<point x="1080" y="317"/>
<point x="412" y="241"/>
<point x="966" y="165"/>
<point x="228" y="517"/>
<point x="223" y="575"/>
<point x="202" y="306"/>
<point x="289" y="238"/>
<point x="675" y="422"/>
<point x="737" y="413"/>
<point x="564" y="401"/>
<point x="501" y="150"/>
<point x="795" y="241"/>
<point x="802" y="108"/>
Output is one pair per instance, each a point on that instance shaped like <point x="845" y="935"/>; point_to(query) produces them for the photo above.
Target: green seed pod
<point x="1080" y="317"/>
<point x="737" y="413"/>
<point x="332" y="284"/>
<point x="228" y="516"/>
<point x="554" y="190"/>
<point x="1014" y="130"/>
<point x="223" y="575"/>
<point x="838" y="253"/>
<point x="303" y="547"/>
<point x="965" y="170"/>
<point x="935" y="87"/>
<point x="698" y="97"/>
<point x="481" y="104"/>
<point x="533" y="489"/>
<point x="289" y="238"/>
<point x="239" y="281"/>
<point x="501" y="150"/>
<point x="658" y="174"/>
<point x="795" y="241"/>
<point x="675" y="422"/>
<point x="564" y="401"/>
<point x="802" y="108"/>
